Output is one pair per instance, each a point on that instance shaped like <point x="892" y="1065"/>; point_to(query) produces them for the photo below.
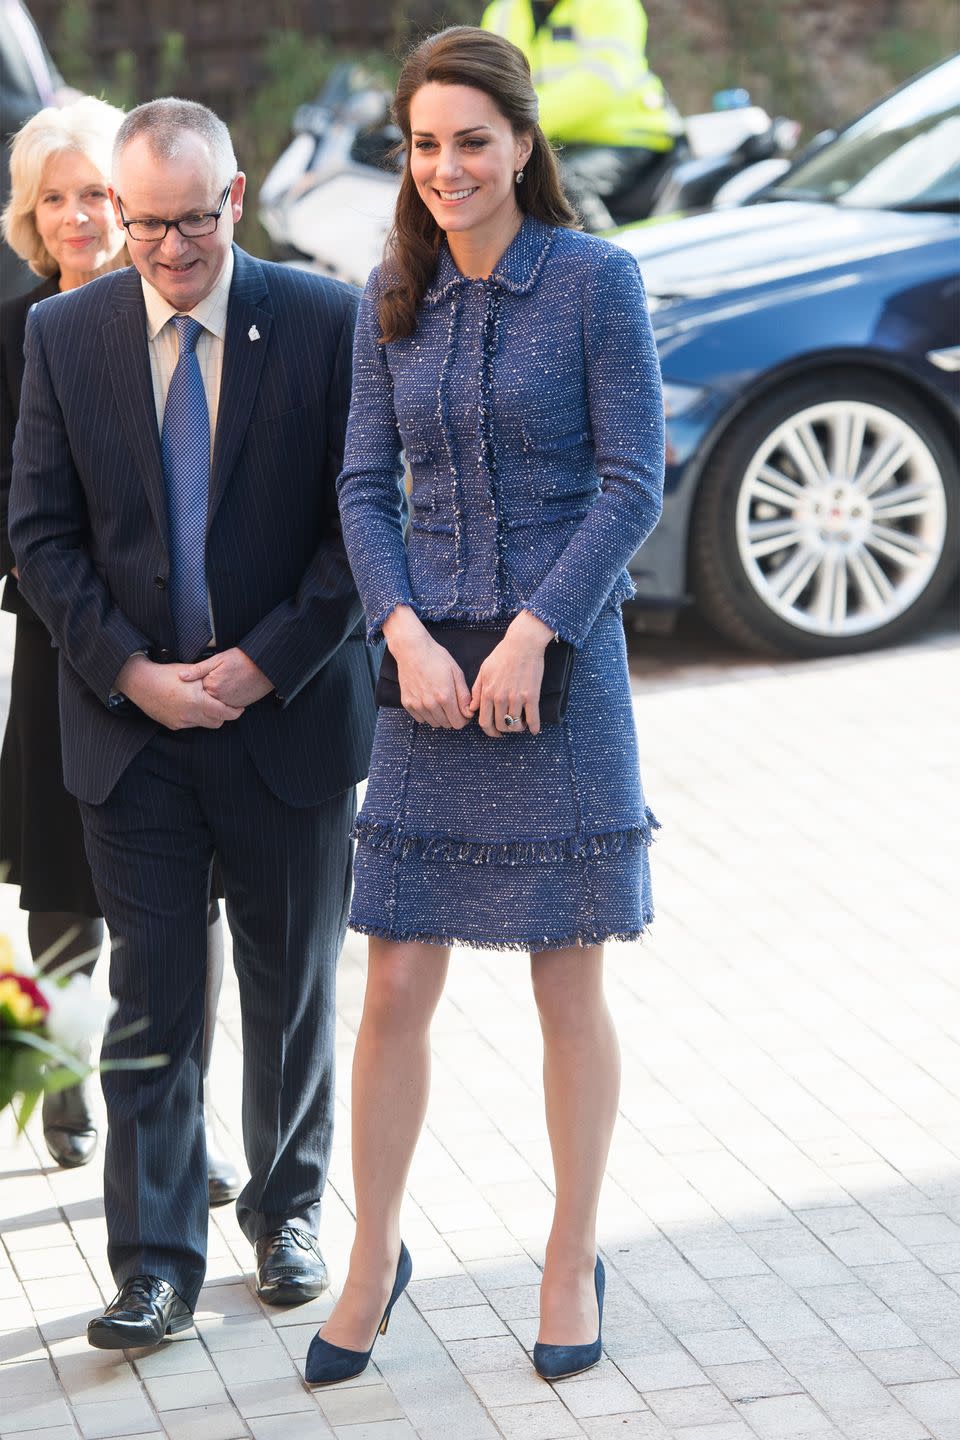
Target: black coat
<point x="13" y="324"/>
<point x="41" y="840"/>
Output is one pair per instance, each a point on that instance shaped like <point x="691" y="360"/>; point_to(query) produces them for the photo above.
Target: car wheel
<point x="826" y="520"/>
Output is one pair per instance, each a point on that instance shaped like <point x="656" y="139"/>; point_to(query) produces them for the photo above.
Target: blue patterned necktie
<point x="185" y="455"/>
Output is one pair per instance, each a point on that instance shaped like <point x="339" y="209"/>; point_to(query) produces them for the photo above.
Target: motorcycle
<point x="328" y="201"/>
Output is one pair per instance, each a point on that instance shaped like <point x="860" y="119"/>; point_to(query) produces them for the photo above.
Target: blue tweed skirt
<point x="528" y="842"/>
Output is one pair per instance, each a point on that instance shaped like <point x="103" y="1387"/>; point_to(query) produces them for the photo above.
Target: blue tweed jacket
<point x="529" y="409"/>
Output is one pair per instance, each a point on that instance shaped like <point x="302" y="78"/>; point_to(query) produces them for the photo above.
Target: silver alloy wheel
<point x="841" y="518"/>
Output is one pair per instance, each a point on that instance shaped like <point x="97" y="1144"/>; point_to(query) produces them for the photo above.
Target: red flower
<point x="28" y="988"/>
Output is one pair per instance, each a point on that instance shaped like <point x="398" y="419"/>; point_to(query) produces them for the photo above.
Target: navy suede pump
<point x="555" y="1362"/>
<point x="327" y="1364"/>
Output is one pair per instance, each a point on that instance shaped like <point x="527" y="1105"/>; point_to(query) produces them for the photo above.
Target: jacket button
<point x="160" y="581"/>
<point x="163" y="653"/>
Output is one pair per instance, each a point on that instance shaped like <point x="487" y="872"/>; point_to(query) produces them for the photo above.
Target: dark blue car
<point x="810" y="346"/>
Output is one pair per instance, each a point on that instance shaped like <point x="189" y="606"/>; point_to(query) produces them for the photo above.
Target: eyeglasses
<point x="191" y="227"/>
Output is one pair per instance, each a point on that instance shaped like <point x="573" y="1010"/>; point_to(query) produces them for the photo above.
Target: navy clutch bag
<point x="470" y="648"/>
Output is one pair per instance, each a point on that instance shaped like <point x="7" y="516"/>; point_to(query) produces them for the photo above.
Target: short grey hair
<point x="163" y="124"/>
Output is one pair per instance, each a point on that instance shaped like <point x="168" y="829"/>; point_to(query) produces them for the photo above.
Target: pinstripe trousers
<point x="286" y="874"/>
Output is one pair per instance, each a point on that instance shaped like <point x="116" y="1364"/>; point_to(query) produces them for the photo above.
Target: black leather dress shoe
<point x="223" y="1178"/>
<point x="68" y="1129"/>
<point x="290" y="1268"/>
<point x="144" y="1310"/>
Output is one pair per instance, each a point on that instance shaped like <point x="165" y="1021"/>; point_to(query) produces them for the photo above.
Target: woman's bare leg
<point x="391" y="1086"/>
<point x="581" y="1085"/>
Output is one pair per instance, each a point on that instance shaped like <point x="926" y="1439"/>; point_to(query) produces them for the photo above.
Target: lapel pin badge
<point x="253" y="333"/>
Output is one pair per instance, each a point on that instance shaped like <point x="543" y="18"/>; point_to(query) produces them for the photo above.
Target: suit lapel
<point x="125" y="340"/>
<point x="245" y="348"/>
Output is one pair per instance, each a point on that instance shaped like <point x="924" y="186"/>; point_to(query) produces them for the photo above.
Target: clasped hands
<point x="204" y="695"/>
<point x="433" y="688"/>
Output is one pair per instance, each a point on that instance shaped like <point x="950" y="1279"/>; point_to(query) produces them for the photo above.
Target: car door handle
<point x="948" y="359"/>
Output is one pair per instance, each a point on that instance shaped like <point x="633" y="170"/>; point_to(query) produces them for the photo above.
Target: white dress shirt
<point x="164" y="347"/>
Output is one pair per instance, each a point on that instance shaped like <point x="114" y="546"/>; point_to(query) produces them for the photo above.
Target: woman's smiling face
<point x="464" y="158"/>
<point x="74" y="217"/>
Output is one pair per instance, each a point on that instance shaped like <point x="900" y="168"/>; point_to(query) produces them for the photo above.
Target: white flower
<point x="78" y="1013"/>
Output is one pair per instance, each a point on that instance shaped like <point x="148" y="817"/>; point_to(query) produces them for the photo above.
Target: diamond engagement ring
<point x="509" y="720"/>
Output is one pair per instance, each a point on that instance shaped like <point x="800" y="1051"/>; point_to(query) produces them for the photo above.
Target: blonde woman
<point x="60" y="220"/>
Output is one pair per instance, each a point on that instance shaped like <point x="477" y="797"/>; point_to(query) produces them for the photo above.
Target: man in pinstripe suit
<point x="216" y="692"/>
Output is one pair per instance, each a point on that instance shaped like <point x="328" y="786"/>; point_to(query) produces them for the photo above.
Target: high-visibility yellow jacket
<point x="590" y="71"/>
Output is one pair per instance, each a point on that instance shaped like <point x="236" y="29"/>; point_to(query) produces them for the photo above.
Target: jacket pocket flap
<point x="557" y="432"/>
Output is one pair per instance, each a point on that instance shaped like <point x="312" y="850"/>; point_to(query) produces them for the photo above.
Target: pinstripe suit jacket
<point x="88" y="522"/>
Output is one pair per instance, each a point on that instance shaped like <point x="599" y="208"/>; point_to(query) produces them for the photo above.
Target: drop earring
<point x="519" y="177"/>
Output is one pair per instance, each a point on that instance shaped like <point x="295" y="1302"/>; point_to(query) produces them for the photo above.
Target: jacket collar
<point x="248" y="283"/>
<point x="517" y="270"/>
<point x="243" y="357"/>
<point x="249" y="323"/>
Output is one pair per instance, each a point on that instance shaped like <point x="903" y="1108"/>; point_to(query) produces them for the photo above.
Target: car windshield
<point x="903" y="154"/>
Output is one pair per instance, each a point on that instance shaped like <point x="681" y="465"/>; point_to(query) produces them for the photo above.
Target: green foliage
<point x="689" y="72"/>
<point x="73" y="49"/>
<point x="30" y="1065"/>
<point x="170" y="63"/>
<point x="122" y="89"/>
<point x="904" y="51"/>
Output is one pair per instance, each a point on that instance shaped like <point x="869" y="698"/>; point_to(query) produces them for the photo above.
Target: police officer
<point x="598" y="97"/>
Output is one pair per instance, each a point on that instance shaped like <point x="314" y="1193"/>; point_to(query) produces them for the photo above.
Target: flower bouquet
<point x="48" y="1022"/>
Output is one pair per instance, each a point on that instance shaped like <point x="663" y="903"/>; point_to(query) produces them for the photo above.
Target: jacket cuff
<point x="102" y="675"/>
<point x="557" y="623"/>
<point x="291" y="656"/>
<point x="375" y="623"/>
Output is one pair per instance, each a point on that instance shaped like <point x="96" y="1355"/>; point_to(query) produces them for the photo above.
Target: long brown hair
<point x="461" y="55"/>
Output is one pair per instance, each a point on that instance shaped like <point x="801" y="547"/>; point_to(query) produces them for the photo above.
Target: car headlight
<point x="678" y="399"/>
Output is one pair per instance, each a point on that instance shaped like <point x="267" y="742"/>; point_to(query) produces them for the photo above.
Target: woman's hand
<point x="432" y="685"/>
<point x="510" y="678"/>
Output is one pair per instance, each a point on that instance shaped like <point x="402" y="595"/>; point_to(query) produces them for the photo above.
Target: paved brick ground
<point x="781" y="1223"/>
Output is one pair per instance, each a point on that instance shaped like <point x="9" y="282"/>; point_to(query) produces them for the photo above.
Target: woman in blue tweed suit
<point x="511" y="358"/>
